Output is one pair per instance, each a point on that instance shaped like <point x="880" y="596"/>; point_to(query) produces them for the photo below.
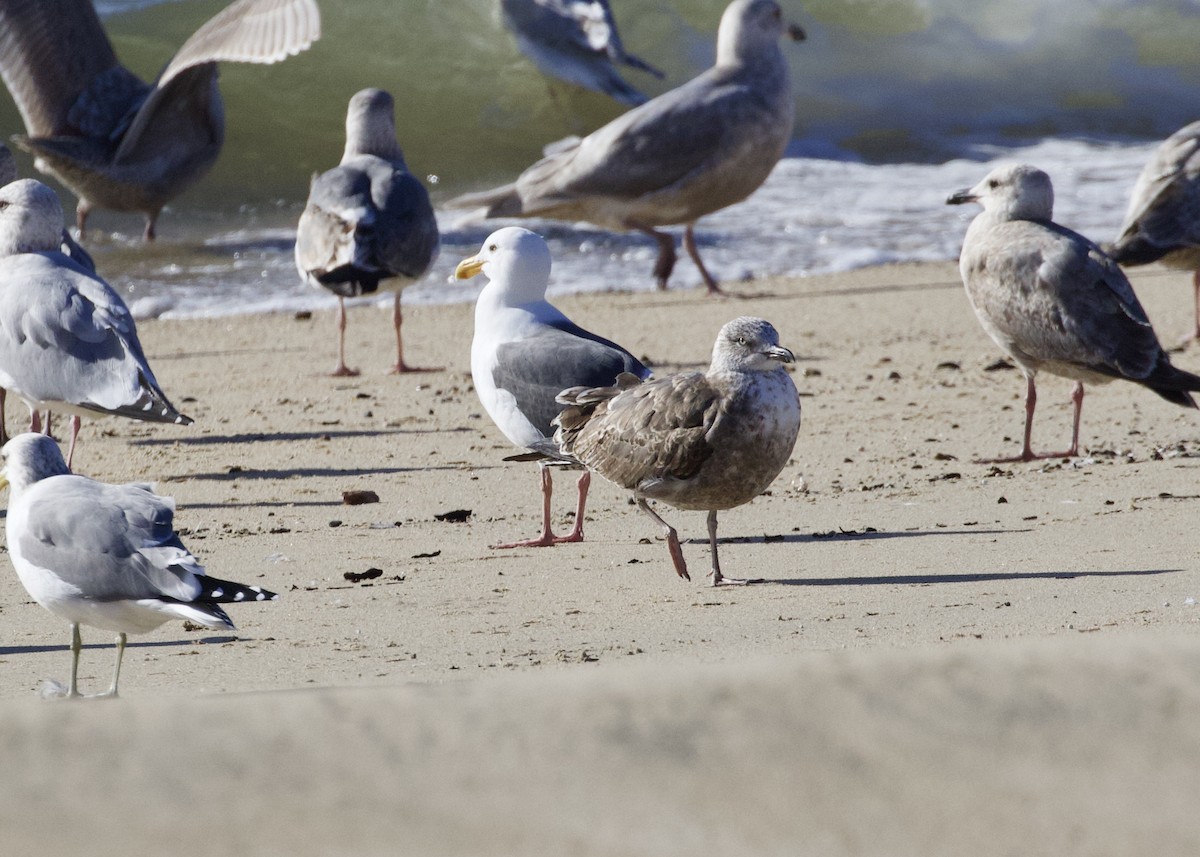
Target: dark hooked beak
<point x="783" y="355"/>
<point x="961" y="196"/>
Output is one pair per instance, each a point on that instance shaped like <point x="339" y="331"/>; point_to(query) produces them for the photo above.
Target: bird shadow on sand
<point x="287" y="436"/>
<point x="964" y="577"/>
<point x="869" y="534"/>
<point x="132" y="644"/>
<point x="239" y="473"/>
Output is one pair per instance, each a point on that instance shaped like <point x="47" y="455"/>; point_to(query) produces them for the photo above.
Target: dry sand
<point x="1023" y="673"/>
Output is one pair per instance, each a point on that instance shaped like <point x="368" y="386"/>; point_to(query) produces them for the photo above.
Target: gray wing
<point x="250" y="31"/>
<point x="60" y="68"/>
<point x="631" y="436"/>
<point x="111" y="541"/>
<point x="536" y="369"/>
<point x="1164" y="208"/>
<point x="1060" y="298"/>
<point x="406" y="233"/>
<point x="66" y="336"/>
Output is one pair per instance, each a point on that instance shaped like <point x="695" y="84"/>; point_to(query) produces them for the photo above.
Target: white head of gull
<point x="103" y="555"/>
<point x="524" y="352"/>
<point x="1053" y="301"/>
<point x="698" y="440"/>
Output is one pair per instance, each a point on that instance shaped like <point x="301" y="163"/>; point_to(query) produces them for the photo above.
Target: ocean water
<point x="898" y="104"/>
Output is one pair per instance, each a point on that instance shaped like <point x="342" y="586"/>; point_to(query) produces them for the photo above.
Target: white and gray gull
<point x="103" y="555"/>
<point x="368" y="223"/>
<point x="691" y="151"/>
<point x="1162" y="222"/>
<point x="698" y="440"/>
<point x="575" y="41"/>
<point x="116" y="141"/>
<point x="67" y="340"/>
<point x="525" y="352"/>
<point x="1054" y="301"/>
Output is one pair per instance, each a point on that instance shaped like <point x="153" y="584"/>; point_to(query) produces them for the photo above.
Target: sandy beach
<point x="946" y="657"/>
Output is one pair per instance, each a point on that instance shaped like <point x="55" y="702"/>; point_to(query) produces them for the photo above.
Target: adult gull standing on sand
<point x="117" y="142"/>
<point x="67" y="340"/>
<point x="697" y="440"/>
<point x="689" y="152"/>
<point x="104" y="555"/>
<point x="1162" y="222"/>
<point x="1053" y="300"/>
<point x="524" y="352"/>
<point x="576" y="41"/>
<point x="368" y="223"/>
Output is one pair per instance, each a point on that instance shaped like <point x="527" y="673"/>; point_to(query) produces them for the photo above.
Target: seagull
<point x="1053" y="300"/>
<point x="689" y="152"/>
<point x="102" y="555"/>
<point x="117" y="142"/>
<point x="67" y="340"/>
<point x="525" y="352"/>
<point x="577" y="41"/>
<point x="368" y="222"/>
<point x="1163" y="219"/>
<point x="698" y="440"/>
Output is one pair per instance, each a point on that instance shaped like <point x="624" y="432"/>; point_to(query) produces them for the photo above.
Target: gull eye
<point x="493" y="247"/>
<point x="993" y="184"/>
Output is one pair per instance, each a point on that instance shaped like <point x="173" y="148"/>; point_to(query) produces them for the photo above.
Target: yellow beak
<point x="468" y="268"/>
<point x="3" y="481"/>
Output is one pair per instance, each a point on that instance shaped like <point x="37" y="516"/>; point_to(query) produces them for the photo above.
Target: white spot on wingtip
<point x="217" y="593"/>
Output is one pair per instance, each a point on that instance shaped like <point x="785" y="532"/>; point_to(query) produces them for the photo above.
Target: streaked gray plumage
<point x="689" y="152"/>
<point x="698" y="440"/>
<point x="67" y="340"/>
<point x="368" y="223"/>
<point x="577" y="41"/>
<point x="1162" y="222"/>
<point x="117" y="142"/>
<point x="1054" y="301"/>
<point x="104" y="555"/>
<point x="525" y="352"/>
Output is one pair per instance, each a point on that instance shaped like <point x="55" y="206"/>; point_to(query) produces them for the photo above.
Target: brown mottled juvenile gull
<point x="525" y="352"/>
<point x="576" y="41"/>
<point x="117" y="142"/>
<point x="67" y="340"/>
<point x="699" y="440"/>
<point x="1162" y="222"/>
<point x="368" y="223"/>
<point x="1053" y="300"/>
<point x="104" y="555"/>
<point x="689" y="152"/>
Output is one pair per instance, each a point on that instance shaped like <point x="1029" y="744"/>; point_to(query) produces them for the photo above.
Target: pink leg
<point x="82" y="210"/>
<point x="342" y="370"/>
<point x="148" y="233"/>
<point x="3" y="429"/>
<point x="672" y="539"/>
<point x="35" y="420"/>
<point x="665" y="263"/>
<point x="719" y="579"/>
<point x="546" y="539"/>
<point x="689" y="241"/>
<point x="76" y="422"/>
<point x="401" y="366"/>
<point x="1027" y="453"/>
<point x="576" y="534"/>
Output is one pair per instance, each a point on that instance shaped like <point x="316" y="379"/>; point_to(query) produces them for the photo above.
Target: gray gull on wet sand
<point x="576" y="41"/>
<point x="67" y="340"/>
<point x="368" y="223"/>
<point x="103" y="555"/>
<point x="699" y="440"/>
<point x="689" y="152"/>
<point x="1162" y="222"/>
<point x="1053" y="300"/>
<point x="117" y="142"/>
<point x="525" y="352"/>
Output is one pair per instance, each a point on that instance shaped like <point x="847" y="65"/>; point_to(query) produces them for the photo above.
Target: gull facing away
<point x="698" y="440"/>
<point x="115" y="141"/>
<point x="103" y="555"/>
<point x="1052" y="300"/>
<point x="576" y="41"/>
<point x="1163" y="219"/>
<point x="67" y="340"/>
<point x="368" y="223"/>
<point x="689" y="152"/>
<point x="525" y="352"/>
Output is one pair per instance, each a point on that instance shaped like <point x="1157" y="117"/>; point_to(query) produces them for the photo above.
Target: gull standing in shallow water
<point x="576" y="41"/>
<point x="689" y="152"/>
<point x="525" y="352"/>
<point x="1163" y="219"/>
<point x="67" y="340"/>
<point x="104" y="555"/>
<point x="1053" y="300"/>
<point x="117" y="142"/>
<point x="368" y="223"/>
<point x="699" y="440"/>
